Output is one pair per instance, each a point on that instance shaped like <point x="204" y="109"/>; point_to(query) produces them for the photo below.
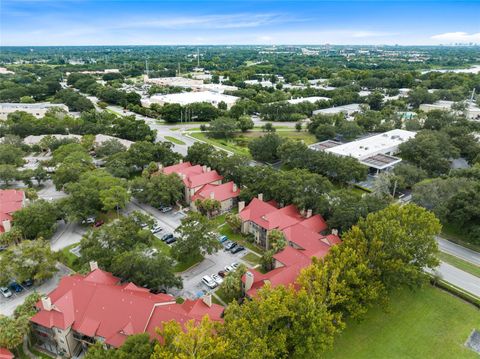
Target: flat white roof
<point x="186" y="98"/>
<point x="311" y="99"/>
<point x="383" y="143"/>
<point x="31" y="106"/>
<point x="353" y="107"/>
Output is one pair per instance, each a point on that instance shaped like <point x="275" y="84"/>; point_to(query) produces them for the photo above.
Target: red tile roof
<point x="302" y="234"/>
<point x="221" y="192"/>
<point x="11" y="201"/>
<point x="97" y="305"/>
<point x="6" y="354"/>
<point x="193" y="176"/>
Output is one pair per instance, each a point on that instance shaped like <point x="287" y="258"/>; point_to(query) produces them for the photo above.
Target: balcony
<point x="83" y="338"/>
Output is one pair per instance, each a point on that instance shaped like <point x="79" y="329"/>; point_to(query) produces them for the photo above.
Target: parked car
<point x="230" y="246"/>
<point x="27" y="283"/>
<point x="171" y="240"/>
<point x="17" y="288"/>
<point x="237" y="249"/>
<point x="235" y="265"/>
<point x="166" y="209"/>
<point x="156" y="228"/>
<point x="151" y="252"/>
<point x="229" y="269"/>
<point x="166" y="236"/>
<point x="5" y="292"/>
<point x="99" y="223"/>
<point x="143" y="225"/>
<point x="89" y="220"/>
<point x="2" y="248"/>
<point x="222" y="239"/>
<point x="222" y="273"/>
<point x="217" y="279"/>
<point x="209" y="282"/>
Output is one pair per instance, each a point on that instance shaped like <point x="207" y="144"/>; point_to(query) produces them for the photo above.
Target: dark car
<point x="15" y="287"/>
<point x="222" y="273"/>
<point x="166" y="236"/>
<point x="237" y="249"/>
<point x="171" y="240"/>
<point x="230" y="246"/>
<point x="27" y="283"/>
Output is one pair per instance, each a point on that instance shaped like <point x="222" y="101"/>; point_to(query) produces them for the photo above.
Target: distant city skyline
<point x="264" y="22"/>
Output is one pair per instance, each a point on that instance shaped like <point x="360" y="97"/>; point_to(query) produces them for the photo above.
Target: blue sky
<point x="84" y="22"/>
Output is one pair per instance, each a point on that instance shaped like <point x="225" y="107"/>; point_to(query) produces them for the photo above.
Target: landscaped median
<point x="175" y="140"/>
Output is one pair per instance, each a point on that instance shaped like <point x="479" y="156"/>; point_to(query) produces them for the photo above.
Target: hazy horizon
<point x="264" y="22"/>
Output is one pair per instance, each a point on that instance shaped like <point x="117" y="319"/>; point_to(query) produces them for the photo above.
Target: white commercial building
<point x="311" y="99"/>
<point x="347" y="110"/>
<point x="376" y="151"/>
<point x="186" y="98"/>
<point x="99" y="139"/>
<point x="36" y="109"/>
<point x="472" y="112"/>
<point x="187" y="83"/>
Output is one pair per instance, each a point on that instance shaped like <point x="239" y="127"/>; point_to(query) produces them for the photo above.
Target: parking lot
<point x="8" y="305"/>
<point x="212" y="264"/>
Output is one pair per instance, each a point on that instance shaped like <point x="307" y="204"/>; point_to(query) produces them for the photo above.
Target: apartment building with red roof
<point x="225" y="193"/>
<point x="11" y="200"/>
<point x="303" y="233"/>
<point x="194" y="177"/>
<point x="84" y="309"/>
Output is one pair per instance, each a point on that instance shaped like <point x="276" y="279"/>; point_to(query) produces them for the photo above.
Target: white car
<point x="209" y="282"/>
<point x="217" y="278"/>
<point x="229" y="269"/>
<point x="156" y="228"/>
<point x="234" y="265"/>
<point x="5" y="292"/>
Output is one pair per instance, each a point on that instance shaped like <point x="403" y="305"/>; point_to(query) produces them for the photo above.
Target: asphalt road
<point x="459" y="278"/>
<point x="458" y="251"/>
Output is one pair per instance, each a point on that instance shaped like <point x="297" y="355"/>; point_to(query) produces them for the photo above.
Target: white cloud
<point x="458" y="36"/>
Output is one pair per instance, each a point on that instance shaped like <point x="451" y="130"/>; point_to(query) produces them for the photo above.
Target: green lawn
<point x="251" y="258"/>
<point x="460" y="263"/>
<point x="427" y="323"/>
<point x="228" y="145"/>
<point x="239" y="144"/>
<point x="68" y="258"/>
<point x="183" y="266"/>
<point x="175" y="140"/>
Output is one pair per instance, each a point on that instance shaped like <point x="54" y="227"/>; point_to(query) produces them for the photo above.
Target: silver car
<point x="5" y="292"/>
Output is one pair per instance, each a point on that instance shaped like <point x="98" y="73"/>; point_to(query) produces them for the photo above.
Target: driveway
<point x="8" y="305"/>
<point x="67" y="234"/>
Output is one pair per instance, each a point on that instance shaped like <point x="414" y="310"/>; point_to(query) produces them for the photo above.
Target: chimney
<point x="241" y="206"/>
<point x="335" y="232"/>
<point x="248" y="280"/>
<point x="204" y="168"/>
<point x="212" y="195"/>
<point x="93" y="266"/>
<point x="234" y="187"/>
<point x="183" y="175"/>
<point x="7" y="225"/>
<point x="207" y="299"/>
<point x="260" y="196"/>
<point x="192" y="191"/>
<point x="309" y="213"/>
<point x="47" y="303"/>
<point x="208" y="169"/>
<point x="181" y="161"/>
<point x="160" y="167"/>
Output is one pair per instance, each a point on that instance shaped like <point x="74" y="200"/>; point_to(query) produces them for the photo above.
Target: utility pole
<point x="198" y="57"/>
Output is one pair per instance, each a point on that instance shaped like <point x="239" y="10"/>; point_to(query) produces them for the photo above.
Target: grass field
<point x="175" y="140"/>
<point x="460" y="263"/>
<point x="251" y="258"/>
<point x="427" y="323"/>
<point x="68" y="258"/>
<point x="239" y="144"/>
